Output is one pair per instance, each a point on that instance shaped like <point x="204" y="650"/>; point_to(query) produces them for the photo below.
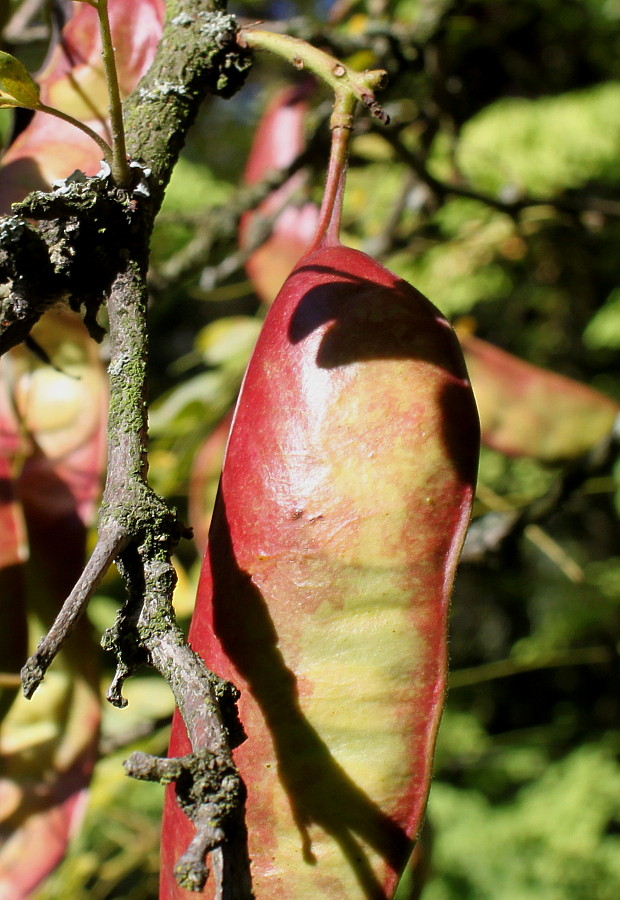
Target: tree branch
<point x="563" y="202"/>
<point x="136" y="528"/>
<point x="197" y="54"/>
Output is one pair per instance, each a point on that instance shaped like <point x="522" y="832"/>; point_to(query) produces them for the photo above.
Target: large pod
<point x="345" y="496"/>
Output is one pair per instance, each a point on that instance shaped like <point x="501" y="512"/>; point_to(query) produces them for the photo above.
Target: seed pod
<point x="344" y="499"/>
<point x="345" y="495"/>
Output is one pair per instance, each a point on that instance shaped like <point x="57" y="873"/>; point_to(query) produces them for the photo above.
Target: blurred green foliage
<point x="496" y="192"/>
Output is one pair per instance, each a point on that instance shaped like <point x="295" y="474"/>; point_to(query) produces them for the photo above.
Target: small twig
<point x="505" y="668"/>
<point x="19" y="29"/>
<point x="380" y="245"/>
<point x="442" y="189"/>
<point x="222" y="223"/>
<point x="106" y="549"/>
<point x="260" y="231"/>
<point x="349" y="86"/>
<point x="205" y="784"/>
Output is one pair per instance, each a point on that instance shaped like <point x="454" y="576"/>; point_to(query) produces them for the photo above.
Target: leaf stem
<point x="103" y="145"/>
<point x="120" y="169"/>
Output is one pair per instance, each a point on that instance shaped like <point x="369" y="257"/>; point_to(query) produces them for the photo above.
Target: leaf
<point x="17" y="85"/>
<point x="514" y="142"/>
<point x="462" y="267"/>
<point x="73" y="81"/>
<point x="553" y="839"/>
<point x="278" y="139"/>
<point x="228" y="340"/>
<point x="603" y="329"/>
<point x="528" y="411"/>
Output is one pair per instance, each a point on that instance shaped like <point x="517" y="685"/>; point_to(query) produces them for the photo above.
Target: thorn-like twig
<point x="106" y="550"/>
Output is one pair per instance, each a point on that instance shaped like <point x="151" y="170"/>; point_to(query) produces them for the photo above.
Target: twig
<point x="442" y="189"/>
<point x="222" y="223"/>
<point x="120" y="169"/>
<point x="20" y="30"/>
<point x="505" y="668"/>
<point x="106" y="549"/>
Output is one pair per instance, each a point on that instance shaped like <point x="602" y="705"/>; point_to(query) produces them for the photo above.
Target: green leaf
<point x="17" y="87"/>
<point x="228" y="340"/>
<point x="543" y="145"/>
<point x="603" y="330"/>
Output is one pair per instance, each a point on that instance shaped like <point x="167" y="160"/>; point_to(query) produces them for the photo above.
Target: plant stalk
<point x="328" y="227"/>
<point x="343" y="80"/>
<point x="120" y="169"/>
<point x="349" y="87"/>
<point x="103" y="145"/>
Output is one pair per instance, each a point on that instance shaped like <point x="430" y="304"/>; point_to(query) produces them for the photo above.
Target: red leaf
<point x="278" y="140"/>
<point x="528" y="411"/>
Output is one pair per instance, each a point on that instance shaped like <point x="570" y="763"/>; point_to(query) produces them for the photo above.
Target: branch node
<point x="146" y="767"/>
<point x="210" y="793"/>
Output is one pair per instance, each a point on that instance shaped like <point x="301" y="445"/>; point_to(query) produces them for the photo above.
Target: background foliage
<point x="495" y="191"/>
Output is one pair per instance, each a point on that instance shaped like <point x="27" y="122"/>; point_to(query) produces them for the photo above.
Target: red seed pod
<point x="344" y="499"/>
<point x="345" y="495"/>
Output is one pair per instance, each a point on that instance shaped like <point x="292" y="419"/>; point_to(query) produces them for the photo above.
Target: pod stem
<point x="328" y="227"/>
<point x="349" y="87"/>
